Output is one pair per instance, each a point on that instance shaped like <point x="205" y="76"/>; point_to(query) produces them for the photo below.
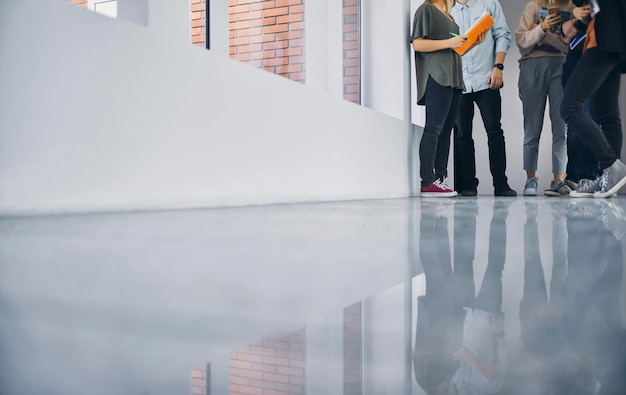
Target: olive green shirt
<point x="445" y="65"/>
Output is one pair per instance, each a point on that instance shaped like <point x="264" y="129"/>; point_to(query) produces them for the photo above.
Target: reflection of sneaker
<point x="586" y="188"/>
<point x="531" y="210"/>
<point x="611" y="180"/>
<point x="613" y="218"/>
<point x="530" y="189"/>
<point x="560" y="188"/>
<point x="437" y="188"/>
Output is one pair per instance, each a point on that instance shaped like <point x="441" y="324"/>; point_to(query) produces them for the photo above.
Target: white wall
<point x="101" y="114"/>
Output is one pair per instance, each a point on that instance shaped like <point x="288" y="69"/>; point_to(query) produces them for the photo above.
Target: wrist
<point x="499" y="66"/>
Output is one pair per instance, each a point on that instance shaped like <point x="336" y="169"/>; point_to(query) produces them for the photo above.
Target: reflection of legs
<point x="435" y="257"/>
<point x="559" y="261"/>
<point x="464" y="247"/>
<point x="534" y="304"/>
<point x="490" y="295"/>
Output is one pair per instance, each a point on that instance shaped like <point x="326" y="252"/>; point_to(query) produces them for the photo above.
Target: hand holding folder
<point x="480" y="26"/>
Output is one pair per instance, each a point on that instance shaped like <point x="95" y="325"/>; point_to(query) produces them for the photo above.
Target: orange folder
<point x="482" y="25"/>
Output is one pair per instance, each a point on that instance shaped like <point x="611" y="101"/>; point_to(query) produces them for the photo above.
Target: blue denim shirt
<point x="478" y="62"/>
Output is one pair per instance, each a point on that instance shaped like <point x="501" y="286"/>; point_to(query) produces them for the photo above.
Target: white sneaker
<point x="611" y="180"/>
<point x="530" y="189"/>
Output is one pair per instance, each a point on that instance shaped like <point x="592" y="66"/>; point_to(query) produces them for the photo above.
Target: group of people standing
<point x="572" y="55"/>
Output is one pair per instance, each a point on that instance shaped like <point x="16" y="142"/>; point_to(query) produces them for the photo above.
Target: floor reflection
<point x="406" y="296"/>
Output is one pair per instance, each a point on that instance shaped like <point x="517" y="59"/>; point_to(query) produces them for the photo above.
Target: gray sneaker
<point x="530" y="189"/>
<point x="611" y="180"/>
<point x="586" y="188"/>
<point x="560" y="188"/>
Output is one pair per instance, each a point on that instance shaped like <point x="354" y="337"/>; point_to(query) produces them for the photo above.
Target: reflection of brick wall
<point x="82" y="3"/>
<point x="198" y="382"/>
<point x="351" y="51"/>
<point x="272" y="366"/>
<point x="269" y="34"/>
<point x="198" y="23"/>
<point x="352" y="338"/>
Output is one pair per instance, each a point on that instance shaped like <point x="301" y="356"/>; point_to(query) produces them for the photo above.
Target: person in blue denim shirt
<point x="482" y="75"/>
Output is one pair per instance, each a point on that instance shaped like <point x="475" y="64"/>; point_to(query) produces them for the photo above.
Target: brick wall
<point x="351" y="51"/>
<point x="198" y="23"/>
<point x="269" y="34"/>
<point x="274" y="365"/>
<point x="352" y="350"/>
<point x="82" y="3"/>
<point x="198" y="382"/>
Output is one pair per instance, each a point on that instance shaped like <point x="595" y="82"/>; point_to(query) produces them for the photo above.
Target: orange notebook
<point x="482" y="25"/>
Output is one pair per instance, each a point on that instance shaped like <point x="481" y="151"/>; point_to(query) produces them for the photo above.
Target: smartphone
<point x="543" y="13"/>
<point x="553" y="10"/>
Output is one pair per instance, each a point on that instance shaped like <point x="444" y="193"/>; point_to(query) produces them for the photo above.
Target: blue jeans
<point x="596" y="77"/>
<point x="490" y="105"/>
<point x="442" y="106"/>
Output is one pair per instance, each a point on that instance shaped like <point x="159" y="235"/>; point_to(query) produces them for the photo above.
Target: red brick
<point x="283" y="3"/>
<point x="290" y="18"/>
<point x="296" y="26"/>
<point x="276" y="28"/>
<point x="267" y="46"/>
<point x="264" y="5"/>
<point x="274" y="360"/>
<point x="263" y="22"/>
<point x="240" y="380"/>
<point x="263" y="384"/>
<point x="276" y="11"/>
<point x="250" y="373"/>
<point x="240" y="364"/>
<point x="255" y="31"/>
<point x="289" y="69"/>
<point x="274" y="62"/>
<point x="250" y="390"/>
<point x="296" y="9"/>
<point x="263" y="367"/>
<point x="239" y="25"/>
<point x="197" y="15"/>
<point x="291" y="371"/>
<point x="250" y="15"/>
<point x="263" y="38"/>
<point x="239" y="8"/>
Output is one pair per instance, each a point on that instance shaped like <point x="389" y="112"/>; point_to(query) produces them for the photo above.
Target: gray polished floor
<point x="387" y="297"/>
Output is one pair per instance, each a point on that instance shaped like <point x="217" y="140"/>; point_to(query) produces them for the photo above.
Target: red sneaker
<point x="438" y="188"/>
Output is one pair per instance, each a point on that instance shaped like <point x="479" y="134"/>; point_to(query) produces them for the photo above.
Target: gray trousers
<point x="540" y="79"/>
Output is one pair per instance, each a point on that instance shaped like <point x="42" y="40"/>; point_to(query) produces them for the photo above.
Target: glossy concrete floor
<point x="465" y="295"/>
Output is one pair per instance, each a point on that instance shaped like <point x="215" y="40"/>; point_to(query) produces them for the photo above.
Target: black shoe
<point x="504" y="191"/>
<point x="469" y="192"/>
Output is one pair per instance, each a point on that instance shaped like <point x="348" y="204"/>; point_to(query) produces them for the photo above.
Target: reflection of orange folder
<point x="482" y="25"/>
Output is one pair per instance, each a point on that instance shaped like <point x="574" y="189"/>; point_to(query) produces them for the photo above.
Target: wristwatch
<point x="499" y="65"/>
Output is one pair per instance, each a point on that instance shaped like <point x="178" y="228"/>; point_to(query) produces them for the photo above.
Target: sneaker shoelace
<point x="442" y="184"/>
<point x="604" y="181"/>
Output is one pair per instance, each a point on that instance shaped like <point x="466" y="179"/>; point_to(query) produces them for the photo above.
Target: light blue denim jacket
<point x="478" y="62"/>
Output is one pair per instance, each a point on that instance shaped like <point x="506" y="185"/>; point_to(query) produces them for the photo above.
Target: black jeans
<point x="581" y="162"/>
<point x="596" y="77"/>
<point x="442" y="106"/>
<point x="490" y="105"/>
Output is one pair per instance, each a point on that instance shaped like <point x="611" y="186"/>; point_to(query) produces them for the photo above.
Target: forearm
<point x="426" y="45"/>
<point x="500" y="57"/>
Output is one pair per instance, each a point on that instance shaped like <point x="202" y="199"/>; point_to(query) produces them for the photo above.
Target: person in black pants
<point x="597" y="76"/>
